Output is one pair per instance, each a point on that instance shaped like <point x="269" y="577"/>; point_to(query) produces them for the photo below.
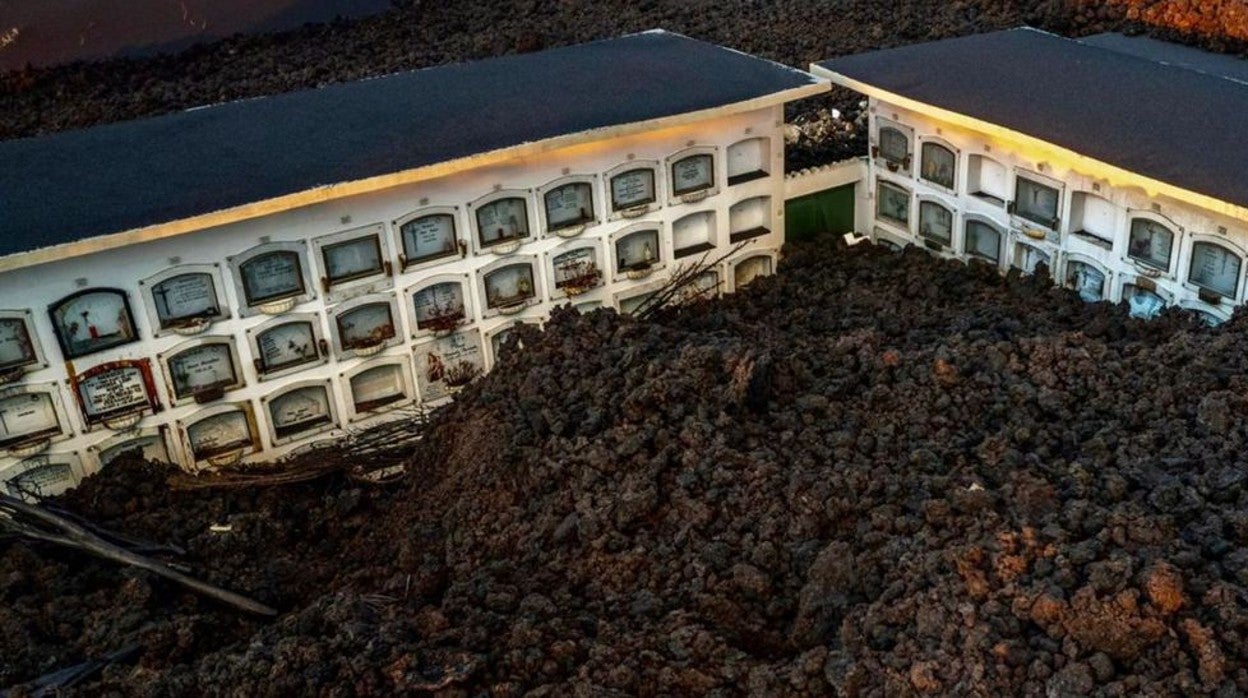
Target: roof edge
<point x="332" y="192"/>
<point x="1106" y="170"/>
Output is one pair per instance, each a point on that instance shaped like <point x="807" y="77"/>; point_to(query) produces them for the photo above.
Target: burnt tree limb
<point x="37" y="523"/>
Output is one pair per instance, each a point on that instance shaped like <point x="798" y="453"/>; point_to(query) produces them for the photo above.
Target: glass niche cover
<point x="366" y="326"/>
<point x="1150" y="243"/>
<point x="202" y="372"/>
<point x="287" y="345"/>
<point x="509" y="286"/>
<point x="693" y="173"/>
<point x="936" y="223"/>
<point x="633" y="188"/>
<point x="1215" y="268"/>
<point x="576" y="271"/>
<point x="939" y="165"/>
<point x="440" y="307"/>
<point x="220" y="434"/>
<point x="27" y="417"/>
<point x="272" y="276"/>
<point x="1086" y="280"/>
<point x="186" y="302"/>
<point x="502" y="221"/>
<point x="427" y="238"/>
<point x="983" y="241"/>
<point x="116" y="389"/>
<point x="377" y="387"/>
<point x="569" y="205"/>
<point x="301" y="410"/>
<point x="17" y="345"/>
<point x="93" y="320"/>
<point x="1036" y="202"/>
<point x="637" y="251"/>
<point x="893" y="204"/>
<point x="352" y="259"/>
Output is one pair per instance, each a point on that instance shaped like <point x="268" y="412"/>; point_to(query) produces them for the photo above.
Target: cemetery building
<point x="238" y="281"/>
<point x="1116" y="161"/>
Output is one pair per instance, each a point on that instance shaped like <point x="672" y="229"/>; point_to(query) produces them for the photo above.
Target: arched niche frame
<point x="92" y="320"/>
<point x="1145" y="300"/>
<point x="629" y="301"/>
<point x="1211" y="315"/>
<point x="695" y="233"/>
<point x="637" y="251"/>
<point x="502" y="221"/>
<point x="633" y="189"/>
<point x="287" y="344"/>
<point x="429" y="236"/>
<point x="1154" y="241"/>
<point x="495" y="339"/>
<point x="939" y="164"/>
<point x="184" y="300"/>
<point x="892" y="145"/>
<point x="1094" y="219"/>
<point x="1026" y="253"/>
<point x="567" y="206"/>
<point x="116" y="395"/>
<point x="1037" y="206"/>
<point x="365" y="326"/>
<point x="693" y="174"/>
<point x="509" y="286"/>
<point x="439" y="305"/>
<point x="575" y="268"/>
<point x="446" y="364"/>
<point x="221" y="435"/>
<point x="20" y="350"/>
<point x="983" y="239"/>
<point x="32" y="418"/>
<point x="272" y="278"/>
<point x="937" y="222"/>
<point x="1213" y="267"/>
<point x="748" y="159"/>
<point x="750" y="218"/>
<point x="201" y="370"/>
<point x="1087" y="276"/>
<point x="894" y="206"/>
<point x="300" y="411"/>
<point x="148" y="443"/>
<point x="745" y="268"/>
<point x="353" y="262"/>
<point x="43" y="475"/>
<point x="377" y="386"/>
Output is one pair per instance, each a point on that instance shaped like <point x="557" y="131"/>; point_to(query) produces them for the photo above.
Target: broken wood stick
<point x="38" y="523"/>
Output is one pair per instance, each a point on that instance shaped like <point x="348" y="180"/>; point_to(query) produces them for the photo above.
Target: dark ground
<point x="420" y="33"/>
<point x="871" y="474"/>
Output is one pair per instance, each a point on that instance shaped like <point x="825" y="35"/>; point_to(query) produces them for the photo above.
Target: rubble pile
<point x="872" y="474"/>
<point x="417" y="34"/>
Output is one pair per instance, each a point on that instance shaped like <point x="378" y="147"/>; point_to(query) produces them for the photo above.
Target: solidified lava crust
<point x="421" y="33"/>
<point x="874" y="474"/>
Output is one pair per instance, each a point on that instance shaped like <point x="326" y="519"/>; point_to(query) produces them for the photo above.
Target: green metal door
<point x="828" y="211"/>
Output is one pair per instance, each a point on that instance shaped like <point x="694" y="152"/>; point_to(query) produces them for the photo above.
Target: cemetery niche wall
<point x="251" y="326"/>
<point x="1115" y="212"/>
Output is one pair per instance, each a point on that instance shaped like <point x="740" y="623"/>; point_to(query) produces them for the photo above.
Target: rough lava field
<point x="872" y="474"/>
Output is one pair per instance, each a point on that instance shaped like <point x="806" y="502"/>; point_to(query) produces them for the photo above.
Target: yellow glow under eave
<point x="1040" y="150"/>
<point x="332" y="192"/>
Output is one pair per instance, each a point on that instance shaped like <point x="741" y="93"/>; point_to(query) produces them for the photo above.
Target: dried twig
<point x="53" y="683"/>
<point x="684" y="276"/>
<point x="37" y="523"/>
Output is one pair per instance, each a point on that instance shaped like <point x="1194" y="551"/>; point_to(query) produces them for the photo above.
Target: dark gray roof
<point x="1189" y="57"/>
<point x="107" y="179"/>
<point x="1170" y="123"/>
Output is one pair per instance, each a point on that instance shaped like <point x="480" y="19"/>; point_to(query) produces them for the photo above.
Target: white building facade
<point x="280" y="326"/>
<point x="963" y="185"/>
